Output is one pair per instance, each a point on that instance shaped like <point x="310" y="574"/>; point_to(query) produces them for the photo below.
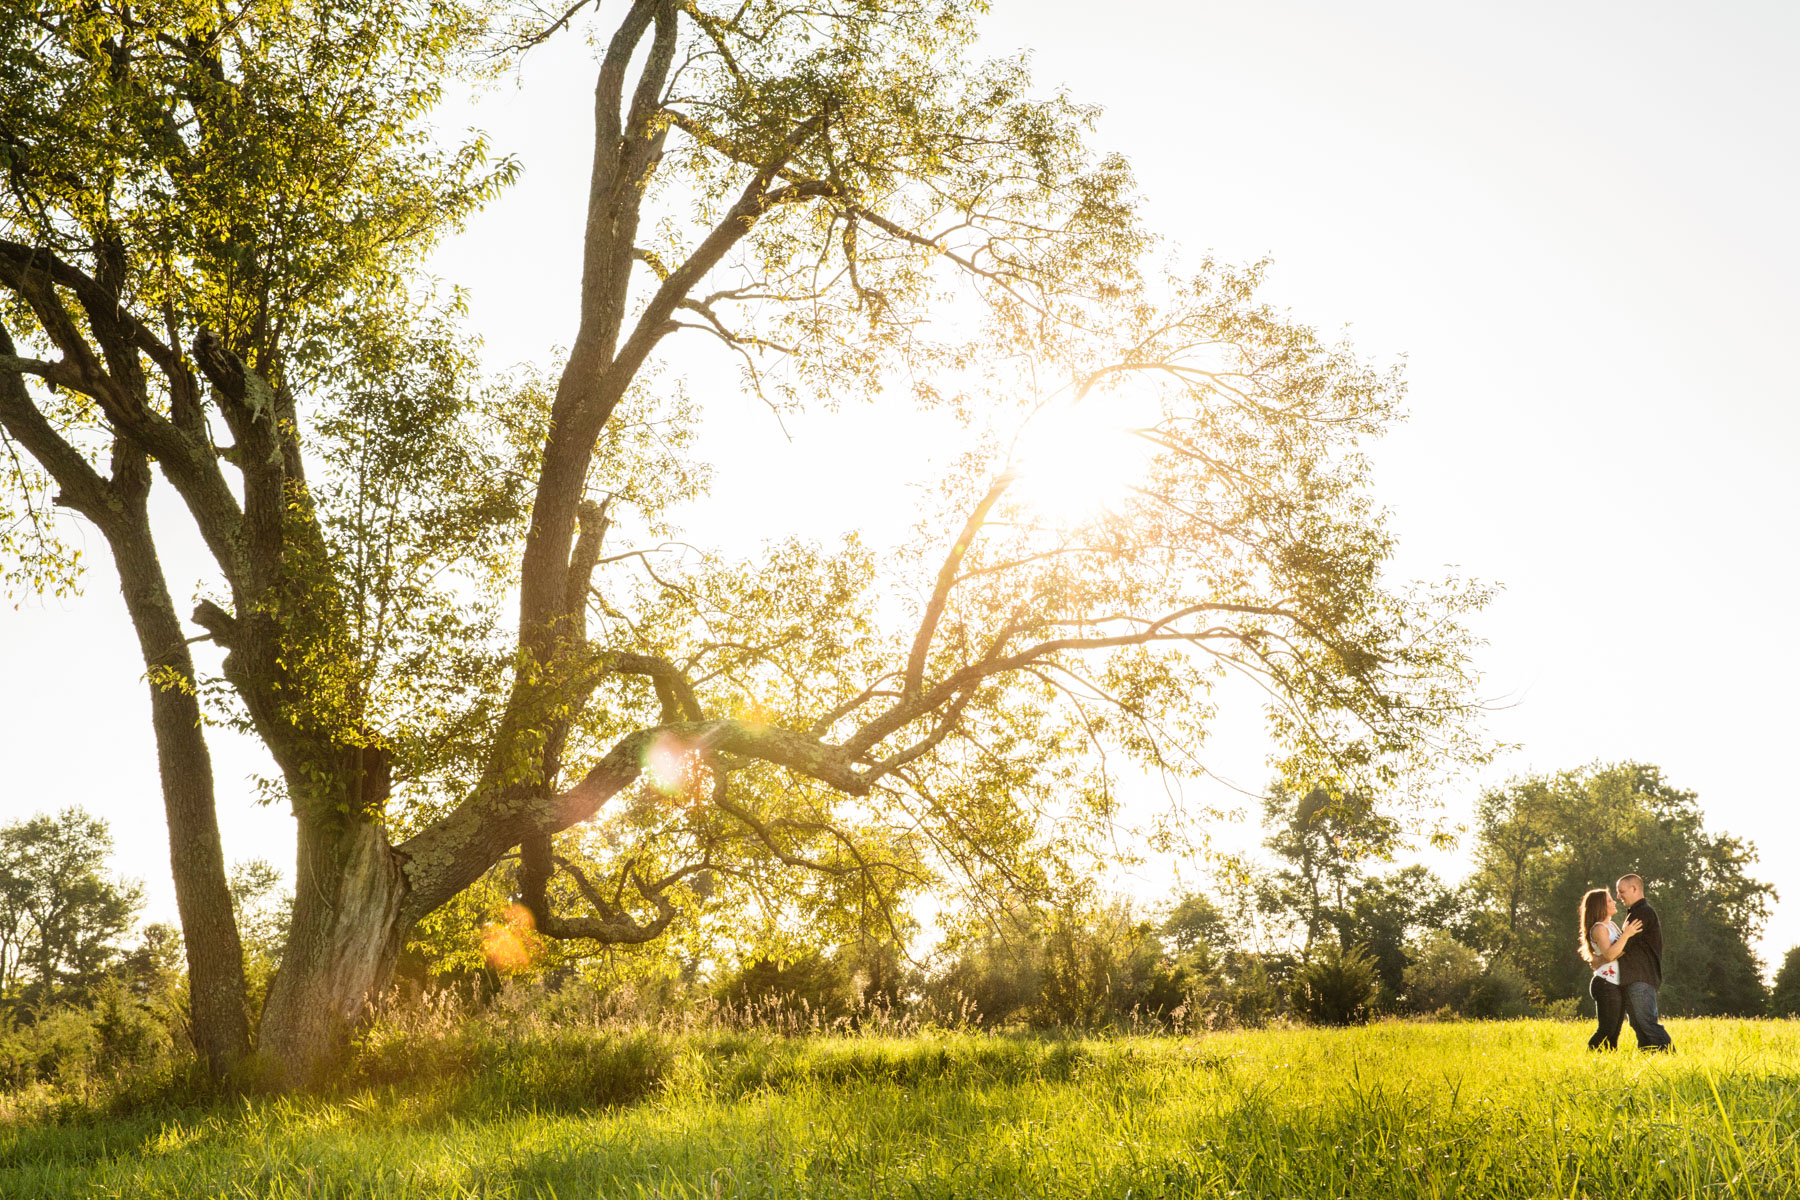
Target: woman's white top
<point x="1609" y="972"/>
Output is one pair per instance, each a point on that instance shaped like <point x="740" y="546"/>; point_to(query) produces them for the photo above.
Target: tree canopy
<point x="445" y="603"/>
<point x="61" y="913"/>
<point x="1323" y="841"/>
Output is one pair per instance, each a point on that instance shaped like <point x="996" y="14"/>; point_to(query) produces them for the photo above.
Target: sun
<point x="1074" y="462"/>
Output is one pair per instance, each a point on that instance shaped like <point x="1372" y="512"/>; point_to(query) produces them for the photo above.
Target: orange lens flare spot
<point x="510" y="945"/>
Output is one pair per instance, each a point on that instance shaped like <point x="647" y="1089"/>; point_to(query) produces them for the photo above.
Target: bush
<point x="806" y="986"/>
<point x="1338" y="987"/>
<point x="1502" y="992"/>
<point x="127" y="1035"/>
<point x="1447" y="976"/>
<point x="993" y="981"/>
<point x="56" y="1047"/>
<point x="1079" y="965"/>
<point x="115" y="1044"/>
<point x="1442" y="976"/>
<point x="1241" y="994"/>
<point x="1080" y="986"/>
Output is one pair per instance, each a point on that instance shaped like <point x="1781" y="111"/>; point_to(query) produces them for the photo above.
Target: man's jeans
<point x="1640" y="1006"/>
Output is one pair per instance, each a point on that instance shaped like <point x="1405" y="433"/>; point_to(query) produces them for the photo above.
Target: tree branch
<point x="673" y="688"/>
<point x="742" y="217"/>
<point x="82" y="487"/>
<point x="940" y="595"/>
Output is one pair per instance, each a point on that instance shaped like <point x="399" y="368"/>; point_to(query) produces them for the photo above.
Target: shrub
<point x="114" y="1044"/>
<point x="806" y="986"/>
<point x="1338" y="987"/>
<point x="1241" y="994"/>
<point x="1503" y="991"/>
<point x="127" y="1035"/>
<point x="1442" y="976"/>
<point x="1079" y="975"/>
<point x="991" y="981"/>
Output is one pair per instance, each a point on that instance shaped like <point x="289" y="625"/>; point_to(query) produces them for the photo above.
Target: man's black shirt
<point x="1642" y="960"/>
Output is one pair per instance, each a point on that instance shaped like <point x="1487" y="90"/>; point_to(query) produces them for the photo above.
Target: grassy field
<point x="1515" y="1109"/>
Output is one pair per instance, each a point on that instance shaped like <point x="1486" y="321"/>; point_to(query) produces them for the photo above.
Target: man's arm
<point x="1608" y="948"/>
<point x="1652" y="933"/>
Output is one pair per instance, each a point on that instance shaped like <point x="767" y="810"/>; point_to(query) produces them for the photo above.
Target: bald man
<point x="1640" y="967"/>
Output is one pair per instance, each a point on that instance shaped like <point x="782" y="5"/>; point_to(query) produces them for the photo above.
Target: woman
<point x="1602" y="943"/>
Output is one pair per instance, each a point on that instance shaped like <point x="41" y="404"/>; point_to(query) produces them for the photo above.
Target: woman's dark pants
<point x="1609" y="1002"/>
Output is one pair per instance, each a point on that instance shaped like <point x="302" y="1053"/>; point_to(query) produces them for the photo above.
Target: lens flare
<point x="669" y="765"/>
<point x="510" y="944"/>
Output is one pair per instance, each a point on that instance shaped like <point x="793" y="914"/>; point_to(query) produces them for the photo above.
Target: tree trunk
<point x="345" y="938"/>
<point x="215" y="955"/>
<point x="119" y="507"/>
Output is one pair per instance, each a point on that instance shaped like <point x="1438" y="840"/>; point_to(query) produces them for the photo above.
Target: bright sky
<point x="1576" y="223"/>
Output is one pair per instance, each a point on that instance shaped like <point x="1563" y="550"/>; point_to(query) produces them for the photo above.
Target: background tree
<point x="1784" y="996"/>
<point x="1388" y="915"/>
<point x="151" y="970"/>
<point x="61" y="915"/>
<point x="1542" y="841"/>
<point x="262" y="909"/>
<point x="1196" y="928"/>
<point x="211" y="217"/>
<point x="1444" y="974"/>
<point x="1322" y="839"/>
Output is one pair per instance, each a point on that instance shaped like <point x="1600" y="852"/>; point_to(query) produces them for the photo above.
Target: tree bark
<point x="215" y="955"/>
<point x="346" y="935"/>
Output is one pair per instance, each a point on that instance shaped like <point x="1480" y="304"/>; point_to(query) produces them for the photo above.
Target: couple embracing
<point x="1627" y="965"/>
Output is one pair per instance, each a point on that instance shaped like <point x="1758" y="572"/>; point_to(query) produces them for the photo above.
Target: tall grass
<point x="466" y="1109"/>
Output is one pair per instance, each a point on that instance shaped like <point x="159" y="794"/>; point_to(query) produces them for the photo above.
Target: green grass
<point x="1516" y="1109"/>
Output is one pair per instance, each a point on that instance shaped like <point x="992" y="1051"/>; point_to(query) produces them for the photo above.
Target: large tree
<point x="1390" y="915"/>
<point x="427" y="611"/>
<point x="1784" y="993"/>
<point x="198" y="194"/>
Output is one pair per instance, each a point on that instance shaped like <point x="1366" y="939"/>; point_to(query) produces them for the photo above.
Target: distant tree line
<point x="1325" y="928"/>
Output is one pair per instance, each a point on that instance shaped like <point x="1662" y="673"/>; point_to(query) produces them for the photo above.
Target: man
<point x="1640" y="967"/>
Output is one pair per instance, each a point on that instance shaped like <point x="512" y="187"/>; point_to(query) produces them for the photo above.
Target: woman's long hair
<point x="1593" y="911"/>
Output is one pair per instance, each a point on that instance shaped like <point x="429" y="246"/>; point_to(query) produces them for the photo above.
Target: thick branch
<point x="672" y="686"/>
<point x="594" y="524"/>
<point x="27" y="270"/>
<point x="614" y="926"/>
<point x="940" y="595"/>
<point x="185" y="457"/>
<point x="82" y="488"/>
<point x="451" y="853"/>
